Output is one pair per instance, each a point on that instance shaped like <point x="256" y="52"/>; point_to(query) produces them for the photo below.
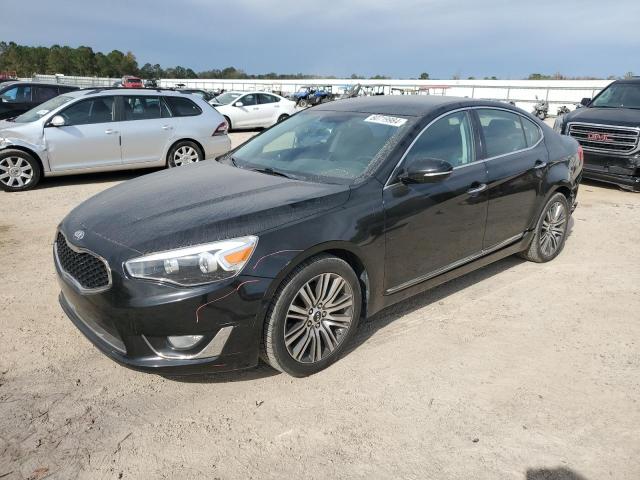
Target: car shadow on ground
<point x="92" y="178"/>
<point x="560" y="473"/>
<point x="370" y="326"/>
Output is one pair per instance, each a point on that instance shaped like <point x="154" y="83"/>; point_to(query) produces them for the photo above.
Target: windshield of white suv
<point x="619" y="95"/>
<point x="322" y="146"/>
<point x="227" y="98"/>
<point x="41" y="110"/>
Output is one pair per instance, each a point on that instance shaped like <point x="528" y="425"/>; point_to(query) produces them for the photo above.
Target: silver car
<point x="108" y="129"/>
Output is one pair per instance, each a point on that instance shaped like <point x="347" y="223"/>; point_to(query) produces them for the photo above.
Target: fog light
<point x="183" y="342"/>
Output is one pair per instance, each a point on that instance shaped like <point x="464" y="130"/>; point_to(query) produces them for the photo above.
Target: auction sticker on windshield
<point x="386" y="120"/>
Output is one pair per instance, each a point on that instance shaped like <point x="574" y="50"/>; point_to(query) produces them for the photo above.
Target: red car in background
<point x="131" y="82"/>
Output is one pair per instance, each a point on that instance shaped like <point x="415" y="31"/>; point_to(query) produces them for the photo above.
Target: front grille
<point x="89" y="271"/>
<point x="605" y="139"/>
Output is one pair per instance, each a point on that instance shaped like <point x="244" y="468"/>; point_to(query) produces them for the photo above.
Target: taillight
<point x="581" y="154"/>
<point x="221" y="130"/>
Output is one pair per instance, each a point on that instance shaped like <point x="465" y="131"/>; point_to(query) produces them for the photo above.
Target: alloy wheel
<point x="185" y="155"/>
<point x="15" y="172"/>
<point x="318" y="318"/>
<point x="553" y="229"/>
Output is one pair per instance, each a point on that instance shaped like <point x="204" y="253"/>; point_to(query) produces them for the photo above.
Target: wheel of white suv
<point x="18" y="170"/>
<point x="184" y="153"/>
<point x="313" y="316"/>
<point x="551" y="231"/>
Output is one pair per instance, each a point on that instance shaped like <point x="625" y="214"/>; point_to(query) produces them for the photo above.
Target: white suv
<point x="108" y="129"/>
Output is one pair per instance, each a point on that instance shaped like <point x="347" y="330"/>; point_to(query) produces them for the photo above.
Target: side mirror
<point x="585" y="102"/>
<point x="58" y="121"/>
<point x="238" y="104"/>
<point x="425" y="170"/>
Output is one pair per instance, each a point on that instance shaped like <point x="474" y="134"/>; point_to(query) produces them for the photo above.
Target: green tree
<point x="424" y="76"/>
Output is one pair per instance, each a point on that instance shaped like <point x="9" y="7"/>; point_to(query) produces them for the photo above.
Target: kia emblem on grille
<point x="598" y="137"/>
<point x="78" y="234"/>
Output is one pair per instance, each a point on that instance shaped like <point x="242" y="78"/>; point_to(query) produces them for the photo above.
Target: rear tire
<point x="183" y="153"/>
<point x="551" y="231"/>
<point x="304" y="103"/>
<point x="19" y="170"/>
<point x="282" y="117"/>
<point x="314" y="314"/>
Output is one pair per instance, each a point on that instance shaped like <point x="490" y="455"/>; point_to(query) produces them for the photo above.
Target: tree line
<point x="83" y="61"/>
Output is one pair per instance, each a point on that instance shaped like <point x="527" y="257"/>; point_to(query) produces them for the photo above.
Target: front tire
<point x="19" y="171"/>
<point x="184" y="153"/>
<point x="313" y="316"/>
<point x="282" y="117"/>
<point x="542" y="115"/>
<point x="304" y="103"/>
<point x="551" y="231"/>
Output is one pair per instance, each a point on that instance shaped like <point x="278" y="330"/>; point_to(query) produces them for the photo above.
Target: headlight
<point x="558" y="124"/>
<point x="195" y="265"/>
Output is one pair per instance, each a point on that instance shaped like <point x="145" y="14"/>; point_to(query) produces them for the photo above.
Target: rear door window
<point x="266" y="98"/>
<point x="141" y="107"/>
<point x="44" y="93"/>
<point x="503" y="132"/>
<point x="183" y="107"/>
<point x="531" y="132"/>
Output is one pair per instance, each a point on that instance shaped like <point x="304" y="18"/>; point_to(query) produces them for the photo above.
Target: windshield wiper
<point x="271" y="171"/>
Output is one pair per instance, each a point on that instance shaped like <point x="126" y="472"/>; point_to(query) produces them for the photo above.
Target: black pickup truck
<point x="608" y="128"/>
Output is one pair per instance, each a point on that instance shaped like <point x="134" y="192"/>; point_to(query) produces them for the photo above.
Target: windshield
<point x="619" y="95"/>
<point x="41" y="110"/>
<point x="227" y="98"/>
<point x="322" y="146"/>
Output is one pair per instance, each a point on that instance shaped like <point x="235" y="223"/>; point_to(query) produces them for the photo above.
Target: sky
<point x="397" y="38"/>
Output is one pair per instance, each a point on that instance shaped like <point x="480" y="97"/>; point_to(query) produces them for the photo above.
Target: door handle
<point x="167" y="127"/>
<point x="110" y="131"/>
<point x="480" y="188"/>
<point x="255" y="108"/>
<point x="539" y="164"/>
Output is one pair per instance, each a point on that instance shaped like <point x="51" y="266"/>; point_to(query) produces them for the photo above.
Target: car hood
<point x="196" y="204"/>
<point x="626" y="117"/>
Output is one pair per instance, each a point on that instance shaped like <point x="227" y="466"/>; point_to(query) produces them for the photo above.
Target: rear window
<point x="183" y="107"/>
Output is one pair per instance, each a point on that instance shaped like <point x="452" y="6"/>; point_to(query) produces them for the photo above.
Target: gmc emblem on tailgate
<point x="598" y="137"/>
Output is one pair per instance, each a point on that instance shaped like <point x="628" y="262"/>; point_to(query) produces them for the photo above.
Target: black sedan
<point x="277" y="250"/>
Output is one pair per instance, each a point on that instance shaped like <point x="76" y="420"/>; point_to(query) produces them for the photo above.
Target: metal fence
<point x="524" y="93"/>
<point x="82" y="82"/>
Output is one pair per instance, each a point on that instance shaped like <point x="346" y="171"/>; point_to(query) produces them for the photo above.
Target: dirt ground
<point x="516" y="371"/>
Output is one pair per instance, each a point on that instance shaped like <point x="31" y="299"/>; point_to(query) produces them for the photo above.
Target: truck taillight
<point x="581" y="154"/>
<point x="221" y="129"/>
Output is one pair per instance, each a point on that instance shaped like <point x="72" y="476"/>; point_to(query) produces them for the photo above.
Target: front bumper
<point x="130" y="323"/>
<point x="619" y="170"/>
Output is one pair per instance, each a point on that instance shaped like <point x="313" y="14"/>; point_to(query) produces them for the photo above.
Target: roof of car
<point x="46" y="84"/>
<point x="126" y="91"/>
<point x="408" y="105"/>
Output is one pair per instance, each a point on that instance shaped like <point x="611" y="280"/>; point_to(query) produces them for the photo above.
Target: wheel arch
<point x="28" y="150"/>
<point x="343" y="250"/>
<point x="186" y="139"/>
